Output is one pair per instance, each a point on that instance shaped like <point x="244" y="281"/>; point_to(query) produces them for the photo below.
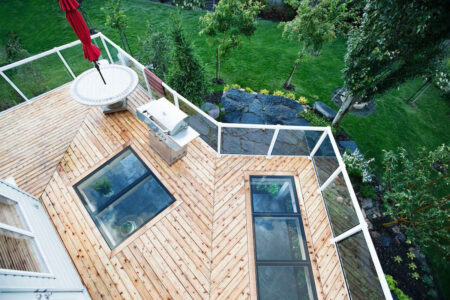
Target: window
<point x="283" y="268"/>
<point x="122" y="195"/>
<point x="18" y="249"/>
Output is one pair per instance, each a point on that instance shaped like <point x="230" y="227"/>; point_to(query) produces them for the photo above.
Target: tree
<point x="396" y="41"/>
<point x="311" y="27"/>
<point x="417" y="195"/>
<point x="155" y="51"/>
<point x="224" y="27"/>
<point x="186" y="75"/>
<point x="117" y="19"/>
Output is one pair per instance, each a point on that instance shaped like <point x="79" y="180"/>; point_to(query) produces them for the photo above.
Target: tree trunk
<point x="288" y="82"/>
<point x="217" y="65"/>
<point x="343" y="110"/>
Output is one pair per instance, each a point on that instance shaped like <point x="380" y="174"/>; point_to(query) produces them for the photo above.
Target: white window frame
<point x="29" y="234"/>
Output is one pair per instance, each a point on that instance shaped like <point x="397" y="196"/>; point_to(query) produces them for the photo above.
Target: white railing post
<point x="219" y="139"/>
<point x="106" y="48"/>
<point x="330" y="179"/>
<point x="175" y="99"/>
<point x="272" y="143"/>
<point x="148" y="85"/>
<point x="65" y="63"/>
<point x="318" y="144"/>
<point x="14" y="86"/>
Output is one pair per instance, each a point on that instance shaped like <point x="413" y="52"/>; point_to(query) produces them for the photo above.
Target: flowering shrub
<point x="290" y="96"/>
<point x="278" y="93"/>
<point x="236" y="86"/>
<point x="302" y="100"/>
<point x="442" y="81"/>
<point x="358" y="166"/>
<point x="189" y="4"/>
<point x="264" y="92"/>
<point x="248" y="90"/>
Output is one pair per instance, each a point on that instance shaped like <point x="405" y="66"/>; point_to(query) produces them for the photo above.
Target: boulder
<point x="239" y="96"/>
<point x="211" y="109"/>
<point x="367" y="203"/>
<point x="324" y="110"/>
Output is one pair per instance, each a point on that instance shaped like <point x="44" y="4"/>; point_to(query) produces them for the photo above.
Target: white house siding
<point x="66" y="283"/>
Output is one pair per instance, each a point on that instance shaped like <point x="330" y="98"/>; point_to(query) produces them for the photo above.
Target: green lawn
<point x="264" y="61"/>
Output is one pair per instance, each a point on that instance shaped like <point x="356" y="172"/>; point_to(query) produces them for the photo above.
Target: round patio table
<point x="89" y="89"/>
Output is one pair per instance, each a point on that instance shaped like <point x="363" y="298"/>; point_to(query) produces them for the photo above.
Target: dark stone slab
<point x="251" y="118"/>
<point x="348" y="145"/>
<point x="297" y="122"/>
<point x="324" y="110"/>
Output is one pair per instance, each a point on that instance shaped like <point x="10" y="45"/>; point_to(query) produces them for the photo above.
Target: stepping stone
<point x="324" y="110"/>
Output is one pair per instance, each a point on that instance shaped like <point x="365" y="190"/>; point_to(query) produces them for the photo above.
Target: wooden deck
<point x="200" y="247"/>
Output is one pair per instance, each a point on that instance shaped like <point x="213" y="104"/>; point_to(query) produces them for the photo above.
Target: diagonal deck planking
<point x="200" y="247"/>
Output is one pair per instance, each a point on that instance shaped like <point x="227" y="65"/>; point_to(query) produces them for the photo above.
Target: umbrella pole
<point x="99" y="72"/>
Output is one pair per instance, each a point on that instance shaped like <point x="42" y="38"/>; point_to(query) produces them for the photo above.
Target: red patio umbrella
<point x="75" y="19"/>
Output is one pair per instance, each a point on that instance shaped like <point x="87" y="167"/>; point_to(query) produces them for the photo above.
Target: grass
<point x="262" y="62"/>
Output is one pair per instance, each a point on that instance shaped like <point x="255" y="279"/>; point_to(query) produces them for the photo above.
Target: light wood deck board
<point x="196" y="249"/>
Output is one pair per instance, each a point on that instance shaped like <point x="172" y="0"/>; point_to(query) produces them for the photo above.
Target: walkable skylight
<point x="122" y="195"/>
<point x="282" y="263"/>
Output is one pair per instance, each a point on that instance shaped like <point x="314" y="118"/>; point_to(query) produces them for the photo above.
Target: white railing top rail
<point x="362" y="226"/>
<point x="43" y="54"/>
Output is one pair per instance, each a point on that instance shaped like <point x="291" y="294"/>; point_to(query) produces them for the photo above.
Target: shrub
<point x="291" y="96"/>
<point x="236" y="86"/>
<point x="357" y="166"/>
<point x="367" y="191"/>
<point x="278" y="93"/>
<point x="393" y="287"/>
<point x="248" y="90"/>
<point x="264" y="92"/>
<point x="226" y="88"/>
<point x="186" y="75"/>
<point x="416" y="195"/>
<point x="302" y="100"/>
<point x="316" y="120"/>
<point x="155" y="51"/>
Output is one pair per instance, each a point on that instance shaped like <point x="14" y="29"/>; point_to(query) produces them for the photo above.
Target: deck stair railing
<point x="351" y="237"/>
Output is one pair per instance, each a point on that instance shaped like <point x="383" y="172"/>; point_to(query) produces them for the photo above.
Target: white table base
<point x="115" y="107"/>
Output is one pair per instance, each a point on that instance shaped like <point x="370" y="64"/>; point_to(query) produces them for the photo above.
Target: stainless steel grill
<point x="169" y="133"/>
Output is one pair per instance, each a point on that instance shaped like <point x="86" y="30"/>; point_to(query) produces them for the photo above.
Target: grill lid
<point x="165" y="114"/>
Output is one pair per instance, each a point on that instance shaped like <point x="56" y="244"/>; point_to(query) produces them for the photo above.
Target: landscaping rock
<point x="373" y="212"/>
<point x="369" y="224"/>
<point x="367" y="203"/>
<point x="375" y="234"/>
<point x="251" y="118"/>
<point x="400" y="237"/>
<point x="385" y="240"/>
<point x="348" y="145"/>
<point x="396" y="229"/>
<point x="324" y="110"/>
<point x="211" y="109"/>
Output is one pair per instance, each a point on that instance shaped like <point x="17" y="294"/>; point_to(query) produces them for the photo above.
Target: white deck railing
<point x="216" y="141"/>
